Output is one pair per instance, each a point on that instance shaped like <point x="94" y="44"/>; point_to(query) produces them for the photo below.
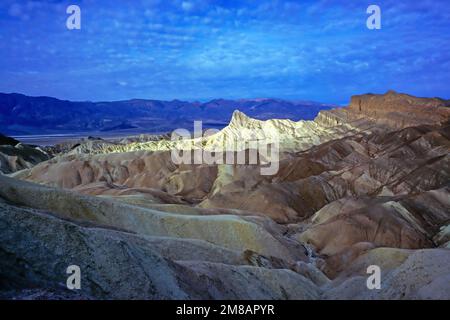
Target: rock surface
<point x="412" y="274"/>
<point x="36" y="248"/>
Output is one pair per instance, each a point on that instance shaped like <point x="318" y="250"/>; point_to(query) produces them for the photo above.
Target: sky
<point x="316" y="50"/>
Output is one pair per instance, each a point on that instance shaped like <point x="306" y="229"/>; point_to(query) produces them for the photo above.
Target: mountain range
<point x="24" y="115"/>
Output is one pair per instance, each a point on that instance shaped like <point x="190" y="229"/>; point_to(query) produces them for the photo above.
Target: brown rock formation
<point x="400" y="110"/>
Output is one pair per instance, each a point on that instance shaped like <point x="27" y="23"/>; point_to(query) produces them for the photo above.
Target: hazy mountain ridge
<point x="20" y="114"/>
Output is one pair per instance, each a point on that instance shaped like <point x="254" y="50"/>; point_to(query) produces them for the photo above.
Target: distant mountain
<point x="20" y="114"/>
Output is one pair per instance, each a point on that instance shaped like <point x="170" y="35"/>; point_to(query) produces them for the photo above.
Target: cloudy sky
<point x="202" y="49"/>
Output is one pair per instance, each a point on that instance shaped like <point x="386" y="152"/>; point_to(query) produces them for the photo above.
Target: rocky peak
<point x="400" y="110"/>
<point x="239" y="119"/>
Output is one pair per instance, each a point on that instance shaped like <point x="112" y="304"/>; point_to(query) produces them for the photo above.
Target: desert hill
<point x="15" y="156"/>
<point x="356" y="186"/>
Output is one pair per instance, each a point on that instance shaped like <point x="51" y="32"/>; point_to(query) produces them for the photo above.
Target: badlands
<point x="363" y="185"/>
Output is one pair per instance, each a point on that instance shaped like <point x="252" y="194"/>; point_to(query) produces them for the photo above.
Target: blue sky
<point x="202" y="49"/>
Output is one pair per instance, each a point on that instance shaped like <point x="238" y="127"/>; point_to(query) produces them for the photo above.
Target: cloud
<point x="187" y="6"/>
<point x="17" y="11"/>
<point x="313" y="49"/>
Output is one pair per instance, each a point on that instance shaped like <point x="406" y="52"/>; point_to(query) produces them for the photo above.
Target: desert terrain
<point x="367" y="184"/>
